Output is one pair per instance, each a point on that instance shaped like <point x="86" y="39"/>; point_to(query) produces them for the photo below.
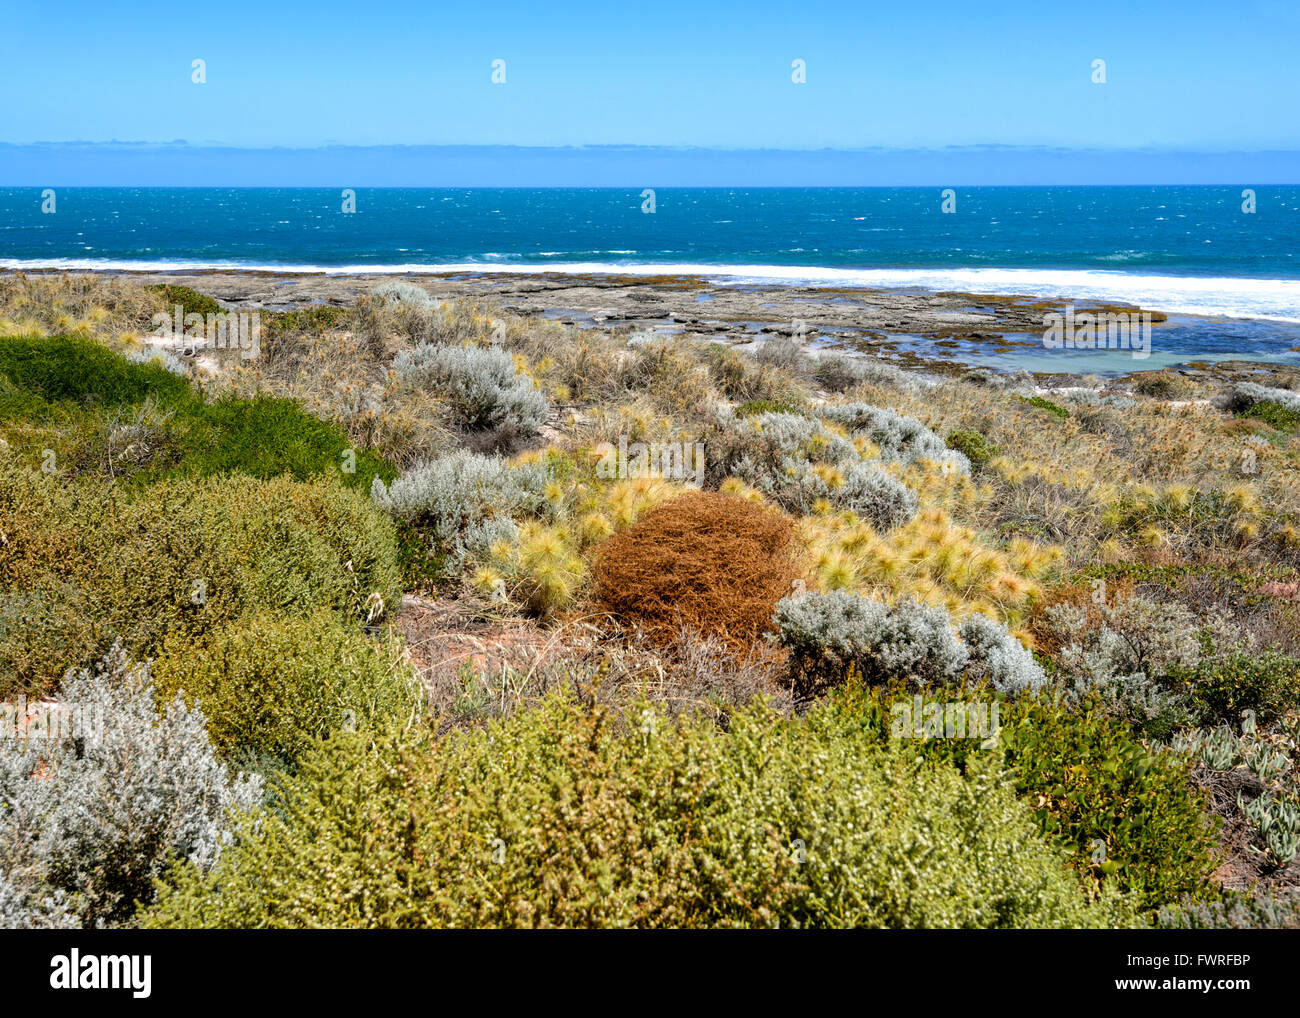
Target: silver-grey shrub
<point x="900" y="438"/>
<point x="1094" y="398"/>
<point x="781" y="352"/>
<point x="793" y="435"/>
<point x="26" y="903"/>
<point x="777" y="453"/>
<point x="468" y="500"/>
<point x="1018" y="381"/>
<point x="998" y="656"/>
<point x="1245" y="395"/>
<point x="830" y="634"/>
<point x="837" y="372"/>
<point x="875" y="495"/>
<point x="87" y="823"/>
<point x="481" y="384"/>
<point x="1121" y="650"/>
<point x="401" y="292"/>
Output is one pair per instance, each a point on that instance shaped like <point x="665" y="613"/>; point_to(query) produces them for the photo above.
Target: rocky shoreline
<point x="919" y="329"/>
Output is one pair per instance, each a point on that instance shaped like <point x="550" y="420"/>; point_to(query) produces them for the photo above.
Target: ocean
<point x="1182" y="250"/>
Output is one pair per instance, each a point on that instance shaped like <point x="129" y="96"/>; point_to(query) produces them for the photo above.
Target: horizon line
<point x="991" y="147"/>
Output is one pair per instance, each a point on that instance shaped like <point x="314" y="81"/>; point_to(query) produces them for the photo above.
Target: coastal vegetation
<point x="391" y="645"/>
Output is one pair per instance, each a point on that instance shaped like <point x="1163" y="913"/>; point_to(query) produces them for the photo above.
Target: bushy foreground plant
<point x="272" y="686"/>
<point x="830" y="636"/>
<point x="1126" y="807"/>
<point x="566" y="816"/>
<point x="88" y="823"/>
<point x="87" y="565"/>
<point x="1125" y="810"/>
<point x="482" y="384"/>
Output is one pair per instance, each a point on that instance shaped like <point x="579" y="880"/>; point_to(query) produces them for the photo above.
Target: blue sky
<point x="1183" y="75"/>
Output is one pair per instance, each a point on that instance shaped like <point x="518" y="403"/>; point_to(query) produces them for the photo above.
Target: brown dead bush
<point x="708" y="562"/>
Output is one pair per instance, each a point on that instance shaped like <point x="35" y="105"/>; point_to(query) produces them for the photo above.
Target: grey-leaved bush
<point x="1245" y="395"/>
<point x="402" y="292"/>
<point x="828" y="635"/>
<point x="797" y="461"/>
<point x="899" y="438"/>
<point x="1123" y="650"/>
<point x="88" y="823"/>
<point x="482" y="385"/>
<point x="876" y="496"/>
<point x="467" y="499"/>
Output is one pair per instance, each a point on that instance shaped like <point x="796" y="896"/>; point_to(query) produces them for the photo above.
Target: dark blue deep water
<point x="1189" y="250"/>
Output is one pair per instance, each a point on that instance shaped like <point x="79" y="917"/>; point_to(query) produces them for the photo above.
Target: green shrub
<point x="1097" y="784"/>
<point x="766" y="406"/>
<point x="272" y="686"/>
<point x="974" y="446"/>
<point x="190" y="300"/>
<point x="310" y="319"/>
<point x="1126" y="812"/>
<point x="1274" y="414"/>
<point x="266" y="437"/>
<point x="77" y="370"/>
<point x="100" y="412"/>
<point x="567" y="816"/>
<point x="277" y="545"/>
<point x="39" y="630"/>
<point x="181" y="557"/>
<point x="1045" y="404"/>
<point x="1223" y="689"/>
